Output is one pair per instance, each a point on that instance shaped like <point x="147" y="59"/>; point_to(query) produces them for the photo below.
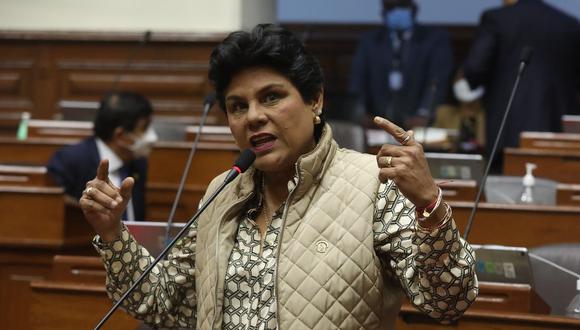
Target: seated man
<point x="123" y="135"/>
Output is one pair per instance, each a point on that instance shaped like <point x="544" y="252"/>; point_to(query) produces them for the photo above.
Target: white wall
<point x="135" y="15"/>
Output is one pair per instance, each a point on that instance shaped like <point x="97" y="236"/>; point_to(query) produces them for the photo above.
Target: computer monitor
<point x="456" y="166"/>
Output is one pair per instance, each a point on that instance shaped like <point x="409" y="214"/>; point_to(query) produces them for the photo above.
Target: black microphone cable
<point x="243" y="162"/>
<point x="207" y="104"/>
<point x="525" y="57"/>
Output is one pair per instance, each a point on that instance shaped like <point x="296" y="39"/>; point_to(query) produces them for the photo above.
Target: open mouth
<point x="262" y="142"/>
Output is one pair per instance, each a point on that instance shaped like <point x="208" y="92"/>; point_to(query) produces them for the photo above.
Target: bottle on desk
<point x="22" y="133"/>
<point x="573" y="309"/>
<point x="528" y="183"/>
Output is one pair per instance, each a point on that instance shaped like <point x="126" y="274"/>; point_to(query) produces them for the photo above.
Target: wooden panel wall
<point x="38" y="70"/>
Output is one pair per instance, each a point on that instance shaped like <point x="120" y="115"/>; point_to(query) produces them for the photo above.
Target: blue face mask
<point x="399" y="19"/>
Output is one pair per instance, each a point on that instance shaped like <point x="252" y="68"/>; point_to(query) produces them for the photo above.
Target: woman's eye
<point x="236" y="107"/>
<point x="271" y="97"/>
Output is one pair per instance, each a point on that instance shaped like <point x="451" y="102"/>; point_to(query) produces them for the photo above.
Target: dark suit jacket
<point x="548" y="87"/>
<point x="428" y="58"/>
<point x="73" y="166"/>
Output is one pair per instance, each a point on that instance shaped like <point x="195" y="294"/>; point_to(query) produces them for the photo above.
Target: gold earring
<point x="317" y="114"/>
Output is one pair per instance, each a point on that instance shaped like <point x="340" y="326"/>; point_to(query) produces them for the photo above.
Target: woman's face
<point x="267" y="114"/>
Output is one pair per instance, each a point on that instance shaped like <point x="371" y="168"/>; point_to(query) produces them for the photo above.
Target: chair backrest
<point x="555" y="286"/>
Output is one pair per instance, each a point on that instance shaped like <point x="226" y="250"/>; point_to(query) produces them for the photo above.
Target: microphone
<point x="241" y="165"/>
<point x="525" y="58"/>
<point x="207" y="104"/>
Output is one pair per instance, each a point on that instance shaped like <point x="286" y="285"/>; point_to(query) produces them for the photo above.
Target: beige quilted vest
<point x="328" y="276"/>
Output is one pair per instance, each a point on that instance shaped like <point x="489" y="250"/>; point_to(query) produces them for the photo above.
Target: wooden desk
<point x="217" y="134"/>
<point x="32" y="151"/>
<point x="571" y="123"/>
<point x="166" y="165"/>
<point x="476" y="319"/>
<point x="568" y="194"/>
<point x="458" y="190"/>
<point x="519" y="225"/>
<point x="73" y="296"/>
<point x="561" y="166"/>
<point x="550" y="141"/>
<point x="36" y="224"/>
<point x="16" y="175"/>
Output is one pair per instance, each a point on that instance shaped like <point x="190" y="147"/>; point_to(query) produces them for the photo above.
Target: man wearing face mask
<point x="124" y="136"/>
<point x="396" y="66"/>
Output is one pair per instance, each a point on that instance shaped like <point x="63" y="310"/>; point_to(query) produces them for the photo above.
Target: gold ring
<point x="406" y="139"/>
<point x="389" y="160"/>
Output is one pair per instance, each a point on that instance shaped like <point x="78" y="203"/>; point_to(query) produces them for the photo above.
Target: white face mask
<point x="143" y="144"/>
<point x="464" y="93"/>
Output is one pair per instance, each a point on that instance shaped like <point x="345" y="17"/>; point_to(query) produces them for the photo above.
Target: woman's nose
<point x="256" y="115"/>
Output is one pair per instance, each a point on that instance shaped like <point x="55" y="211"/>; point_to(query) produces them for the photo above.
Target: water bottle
<point x="528" y="182"/>
<point x="22" y="133"/>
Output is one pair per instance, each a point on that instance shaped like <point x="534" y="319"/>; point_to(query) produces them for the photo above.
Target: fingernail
<point x="114" y="204"/>
<point x="119" y="199"/>
<point x="378" y="119"/>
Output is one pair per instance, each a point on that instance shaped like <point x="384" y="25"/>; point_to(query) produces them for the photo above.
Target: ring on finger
<point x="88" y="191"/>
<point x="406" y="139"/>
<point x="389" y="160"/>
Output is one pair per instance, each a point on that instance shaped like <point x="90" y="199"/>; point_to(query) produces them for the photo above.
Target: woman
<point x="311" y="236"/>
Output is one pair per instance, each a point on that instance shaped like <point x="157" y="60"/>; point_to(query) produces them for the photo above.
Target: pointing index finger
<point x="103" y="170"/>
<point x="395" y="131"/>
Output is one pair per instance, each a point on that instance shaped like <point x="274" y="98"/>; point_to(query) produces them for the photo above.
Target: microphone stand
<point x="525" y="56"/>
<point x="145" y="40"/>
<point x="209" y="100"/>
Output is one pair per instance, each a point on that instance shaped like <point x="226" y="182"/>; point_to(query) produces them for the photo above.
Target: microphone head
<point x="526" y="54"/>
<point x="147" y="36"/>
<point x="245" y="160"/>
<point x="209" y="99"/>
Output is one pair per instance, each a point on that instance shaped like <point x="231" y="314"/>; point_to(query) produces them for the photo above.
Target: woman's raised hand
<point x="103" y="203"/>
<point x="406" y="165"/>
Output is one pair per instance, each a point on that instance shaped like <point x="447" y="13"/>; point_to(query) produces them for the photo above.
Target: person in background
<point x="311" y="236"/>
<point x="123" y="135"/>
<point x="549" y="85"/>
<point x="395" y="67"/>
<point x="467" y="117"/>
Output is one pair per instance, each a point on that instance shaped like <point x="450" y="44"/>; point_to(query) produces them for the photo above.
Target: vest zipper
<point x="284" y="215"/>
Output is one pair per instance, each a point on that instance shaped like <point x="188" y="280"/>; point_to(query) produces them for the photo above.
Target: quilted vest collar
<point x="310" y="167"/>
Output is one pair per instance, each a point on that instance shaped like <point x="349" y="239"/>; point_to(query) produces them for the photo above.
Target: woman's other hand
<point x="406" y="165"/>
<point x="103" y="203"/>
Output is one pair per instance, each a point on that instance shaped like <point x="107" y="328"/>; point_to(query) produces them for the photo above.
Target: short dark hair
<point x="270" y="46"/>
<point x="391" y="4"/>
<point x="120" y="109"/>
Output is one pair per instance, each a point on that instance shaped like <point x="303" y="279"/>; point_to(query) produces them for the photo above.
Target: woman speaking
<point x="311" y="236"/>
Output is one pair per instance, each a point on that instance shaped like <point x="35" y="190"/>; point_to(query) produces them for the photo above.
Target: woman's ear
<point x="318" y="103"/>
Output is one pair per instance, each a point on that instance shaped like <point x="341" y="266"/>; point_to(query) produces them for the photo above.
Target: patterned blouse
<point x="167" y="297"/>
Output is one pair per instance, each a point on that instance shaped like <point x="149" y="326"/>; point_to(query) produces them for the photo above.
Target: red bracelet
<point x="425" y="212"/>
